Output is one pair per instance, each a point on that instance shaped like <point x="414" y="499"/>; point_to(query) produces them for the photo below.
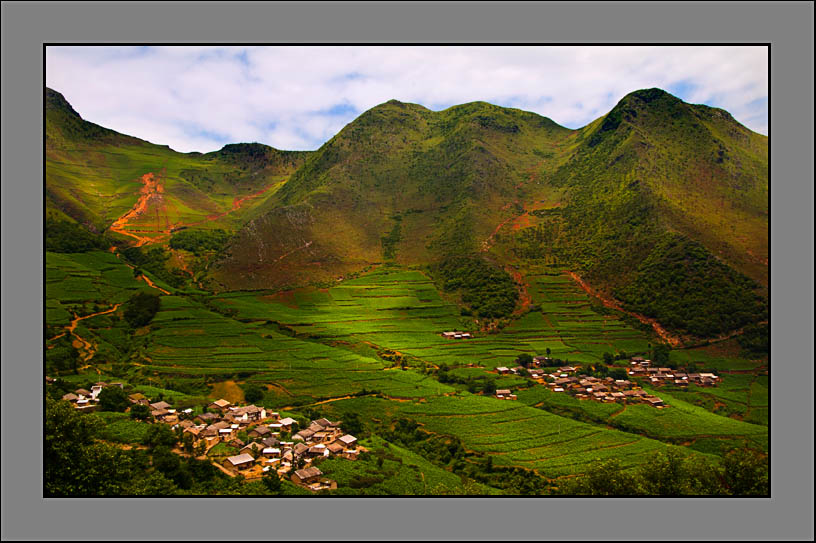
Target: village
<point x="566" y="379"/>
<point x="266" y="442"/>
<point x="262" y="450"/>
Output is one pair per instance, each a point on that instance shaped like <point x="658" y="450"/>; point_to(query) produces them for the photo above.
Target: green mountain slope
<point x="656" y="164"/>
<point x="405" y="184"/>
<point x="656" y="204"/>
<point x="95" y="176"/>
<point x="399" y="183"/>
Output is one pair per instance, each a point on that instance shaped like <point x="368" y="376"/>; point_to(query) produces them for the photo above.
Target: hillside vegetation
<point x="413" y="187"/>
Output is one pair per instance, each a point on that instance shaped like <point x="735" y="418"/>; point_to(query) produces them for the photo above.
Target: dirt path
<point x="150" y="283"/>
<point x="674" y="341"/>
<point x="518" y="220"/>
<point x="143" y="277"/>
<point x="151" y="191"/>
<point x="284" y="255"/>
<point x="618" y="412"/>
<point x="524" y="295"/>
<point x="237" y="202"/>
<point x="488" y="243"/>
<point x="222" y="468"/>
<point x="80" y="343"/>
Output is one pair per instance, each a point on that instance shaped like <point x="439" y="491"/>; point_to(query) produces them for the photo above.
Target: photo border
<point x="788" y="27"/>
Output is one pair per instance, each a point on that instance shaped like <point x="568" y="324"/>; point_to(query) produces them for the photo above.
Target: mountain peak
<point x="55" y="100"/>
<point x="649" y="95"/>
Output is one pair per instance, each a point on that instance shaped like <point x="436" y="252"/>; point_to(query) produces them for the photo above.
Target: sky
<point x="296" y="98"/>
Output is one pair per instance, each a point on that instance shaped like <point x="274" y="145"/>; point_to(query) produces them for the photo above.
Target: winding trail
<point x="150" y="283"/>
<point x="674" y="341"/>
<point x="152" y="191"/>
<point x="296" y="249"/>
<point x="79" y="342"/>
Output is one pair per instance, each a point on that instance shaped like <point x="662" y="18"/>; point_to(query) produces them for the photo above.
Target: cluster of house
<point x="87" y="400"/>
<point x="662" y="376"/>
<point x="263" y="450"/>
<point x="607" y="390"/>
<point x="583" y="387"/>
<point x="456" y="335"/>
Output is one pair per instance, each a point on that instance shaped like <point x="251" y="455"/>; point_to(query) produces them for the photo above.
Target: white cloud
<point x="200" y="98"/>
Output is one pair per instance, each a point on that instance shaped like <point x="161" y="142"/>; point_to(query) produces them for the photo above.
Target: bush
<point x="198" y="241"/>
<point x="253" y="393"/>
<point x="488" y="290"/>
<point x="113" y="398"/>
<point x="141" y="308"/>
<point x="70" y="237"/>
<point x="140" y="412"/>
<point x="159" y="435"/>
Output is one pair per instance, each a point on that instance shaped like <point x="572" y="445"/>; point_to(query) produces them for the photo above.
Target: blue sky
<point x="201" y="98"/>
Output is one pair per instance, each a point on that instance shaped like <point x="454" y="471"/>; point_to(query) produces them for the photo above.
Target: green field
<point x="328" y="349"/>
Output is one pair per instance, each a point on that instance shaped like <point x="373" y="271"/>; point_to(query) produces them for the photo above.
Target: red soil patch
<point x="151" y="191"/>
<point x="613" y="304"/>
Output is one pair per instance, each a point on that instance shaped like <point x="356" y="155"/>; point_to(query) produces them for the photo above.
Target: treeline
<point x="489" y="291"/>
<point x="71" y="237"/>
<point x="685" y="287"/>
<point x="743" y="472"/>
<point x="199" y="241"/>
<point x="755" y="340"/>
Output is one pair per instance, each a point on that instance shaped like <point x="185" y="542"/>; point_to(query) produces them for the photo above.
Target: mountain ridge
<point x="406" y="185"/>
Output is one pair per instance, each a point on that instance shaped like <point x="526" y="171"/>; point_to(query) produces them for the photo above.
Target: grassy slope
<point x="405" y="184"/>
<point x="445" y="177"/>
<point x="92" y="175"/>
<point x="656" y="164"/>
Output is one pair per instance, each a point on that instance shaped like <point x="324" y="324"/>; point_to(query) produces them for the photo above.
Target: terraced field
<point x="402" y="311"/>
<point x="329" y="348"/>
<point x="518" y="435"/>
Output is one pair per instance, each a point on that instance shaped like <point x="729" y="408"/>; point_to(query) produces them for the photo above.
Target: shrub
<point x="141" y="308"/>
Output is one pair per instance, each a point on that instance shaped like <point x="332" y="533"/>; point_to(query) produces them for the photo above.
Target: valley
<point x="318" y="284"/>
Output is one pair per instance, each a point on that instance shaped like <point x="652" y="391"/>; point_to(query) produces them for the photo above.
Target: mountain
<point x="660" y="205"/>
<point x="653" y="181"/>
<point x="96" y="176"/>
<point x="400" y="183"/>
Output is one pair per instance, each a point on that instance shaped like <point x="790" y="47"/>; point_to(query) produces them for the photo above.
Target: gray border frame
<point x="788" y="26"/>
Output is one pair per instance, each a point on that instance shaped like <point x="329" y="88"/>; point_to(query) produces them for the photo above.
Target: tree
<point x="113" y="398"/>
<point x="141" y="308"/>
<point x="490" y="386"/>
<point x="524" y="360"/>
<point x="200" y="448"/>
<point x="187" y="442"/>
<point x="617" y="373"/>
<point x="604" y="478"/>
<point x="660" y="354"/>
<point x="253" y="393"/>
<point x="271" y="481"/>
<point x="159" y="435"/>
<point x="746" y="473"/>
<point x="351" y="423"/>
<point x="75" y="464"/>
<point x="140" y="412"/>
<point x="672" y="473"/>
<point x="548" y="352"/>
<point x="608" y="358"/>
